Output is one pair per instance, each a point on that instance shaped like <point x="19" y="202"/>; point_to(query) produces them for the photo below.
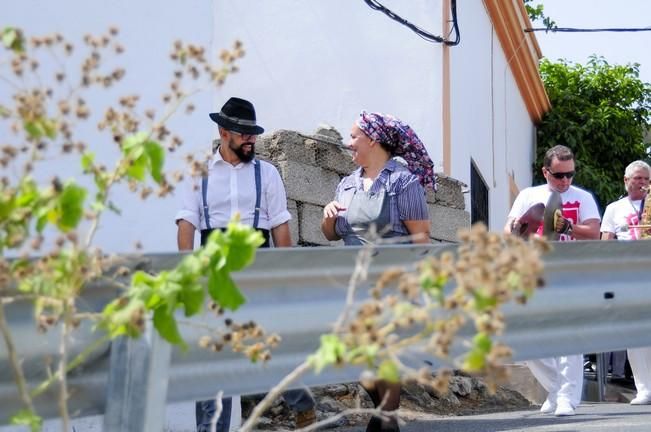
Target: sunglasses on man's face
<point x="244" y="137"/>
<point x="559" y="175"/>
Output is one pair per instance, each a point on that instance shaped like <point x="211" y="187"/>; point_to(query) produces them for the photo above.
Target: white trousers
<point x="561" y="377"/>
<point x="640" y="360"/>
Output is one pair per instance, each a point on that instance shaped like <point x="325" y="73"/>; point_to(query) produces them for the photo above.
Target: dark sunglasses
<point x="559" y="175"/>
<point x="245" y="137"/>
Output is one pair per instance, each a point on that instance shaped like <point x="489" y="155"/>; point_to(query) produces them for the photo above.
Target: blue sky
<point x="616" y="48"/>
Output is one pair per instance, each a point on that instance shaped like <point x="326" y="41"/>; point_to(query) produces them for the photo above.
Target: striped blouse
<point x="404" y="190"/>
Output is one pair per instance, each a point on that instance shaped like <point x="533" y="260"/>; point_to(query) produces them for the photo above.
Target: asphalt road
<point x="590" y="417"/>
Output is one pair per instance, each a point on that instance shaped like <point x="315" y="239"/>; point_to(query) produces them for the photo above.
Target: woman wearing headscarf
<point x="385" y="194"/>
<point x="382" y="191"/>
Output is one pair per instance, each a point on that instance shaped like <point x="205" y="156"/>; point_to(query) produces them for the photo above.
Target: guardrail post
<point x="602" y="374"/>
<point x="137" y="385"/>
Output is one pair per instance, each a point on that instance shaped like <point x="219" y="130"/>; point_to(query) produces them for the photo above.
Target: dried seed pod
<point x="205" y="341"/>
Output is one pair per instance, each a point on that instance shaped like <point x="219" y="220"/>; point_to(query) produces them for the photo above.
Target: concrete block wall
<point x="311" y="167"/>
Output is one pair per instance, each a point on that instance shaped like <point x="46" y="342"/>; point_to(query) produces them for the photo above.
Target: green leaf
<point x="433" y="284"/>
<point x="216" y="249"/>
<point x="119" y="316"/>
<point x="167" y="328"/>
<point x="156" y="156"/>
<point x="475" y="361"/>
<point x="191" y="264"/>
<point x="140" y="278"/>
<point x="12" y="38"/>
<point x="8" y="36"/>
<point x="33" y="129"/>
<point x="483" y="302"/>
<point x="223" y="290"/>
<point x="513" y="280"/>
<point x="192" y="297"/>
<point x="71" y="206"/>
<point x="28" y="196"/>
<point x="49" y="128"/>
<point x="101" y="181"/>
<point x="41" y="222"/>
<point x="331" y="352"/>
<point x="137" y="169"/>
<point x="133" y="141"/>
<point x="133" y="148"/>
<point x="168" y="291"/>
<point x="19" y="263"/>
<point x="41" y="214"/>
<point x="363" y="354"/>
<point x="389" y="371"/>
<point x="7" y="207"/>
<point x="41" y="127"/>
<point x="98" y="206"/>
<point x="27" y="418"/>
<point x="482" y="342"/>
<point x="244" y="240"/>
<point x="87" y="160"/>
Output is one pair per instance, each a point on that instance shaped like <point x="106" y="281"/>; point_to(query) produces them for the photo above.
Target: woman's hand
<point x="332" y="209"/>
<point x="330" y="212"/>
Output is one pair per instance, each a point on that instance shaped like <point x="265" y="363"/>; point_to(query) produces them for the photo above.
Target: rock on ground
<point x="467" y="395"/>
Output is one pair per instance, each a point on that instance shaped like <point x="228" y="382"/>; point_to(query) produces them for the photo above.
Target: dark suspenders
<point x="258" y="196"/>
<point x="204" y="196"/>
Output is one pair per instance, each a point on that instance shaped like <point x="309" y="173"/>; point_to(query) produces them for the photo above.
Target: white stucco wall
<point x="490" y="123"/>
<point x="323" y="61"/>
<point x="306" y="63"/>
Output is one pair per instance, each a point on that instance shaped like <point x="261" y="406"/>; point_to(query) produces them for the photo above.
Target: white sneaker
<point x="548" y="407"/>
<point x="564" y="408"/>
<point x="641" y="400"/>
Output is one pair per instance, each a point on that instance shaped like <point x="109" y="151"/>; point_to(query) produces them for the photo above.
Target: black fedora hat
<point x="237" y="115"/>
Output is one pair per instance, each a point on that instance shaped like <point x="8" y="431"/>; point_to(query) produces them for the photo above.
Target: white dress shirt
<point x="231" y="189"/>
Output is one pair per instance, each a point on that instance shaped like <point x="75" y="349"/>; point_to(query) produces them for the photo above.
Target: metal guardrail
<point x="596" y="298"/>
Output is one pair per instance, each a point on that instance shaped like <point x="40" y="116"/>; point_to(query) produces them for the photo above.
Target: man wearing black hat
<point x="237" y="182"/>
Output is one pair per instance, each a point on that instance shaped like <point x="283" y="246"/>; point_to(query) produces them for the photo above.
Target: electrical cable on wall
<point x="586" y="30"/>
<point x="375" y="5"/>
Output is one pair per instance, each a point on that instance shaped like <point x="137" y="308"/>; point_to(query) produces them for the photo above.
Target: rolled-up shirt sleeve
<point x="276" y="198"/>
<point x="190" y="199"/>
<point x="412" y="204"/>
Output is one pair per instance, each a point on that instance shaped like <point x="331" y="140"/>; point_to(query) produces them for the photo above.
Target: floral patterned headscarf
<point x="402" y="140"/>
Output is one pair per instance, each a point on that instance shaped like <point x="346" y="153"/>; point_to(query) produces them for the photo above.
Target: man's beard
<point x="242" y="154"/>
